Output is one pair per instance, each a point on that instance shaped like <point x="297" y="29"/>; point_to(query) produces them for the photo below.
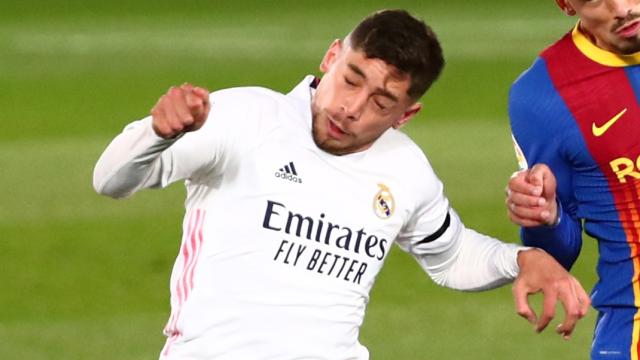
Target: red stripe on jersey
<point x="167" y="345"/>
<point x="198" y="244"/>
<point x="188" y="257"/>
<point x="195" y="246"/>
<point x="192" y="220"/>
<point x="635" y="219"/>
<point x="595" y="95"/>
<point x="604" y="106"/>
<point x="170" y="329"/>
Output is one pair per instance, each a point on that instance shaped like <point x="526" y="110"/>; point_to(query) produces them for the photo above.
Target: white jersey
<point x="282" y="241"/>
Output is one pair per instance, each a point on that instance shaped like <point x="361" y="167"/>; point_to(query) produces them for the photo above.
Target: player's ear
<point x="566" y="7"/>
<point x="331" y="55"/>
<point x="407" y="115"/>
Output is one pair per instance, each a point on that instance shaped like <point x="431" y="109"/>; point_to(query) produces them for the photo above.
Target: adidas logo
<point x="288" y="172"/>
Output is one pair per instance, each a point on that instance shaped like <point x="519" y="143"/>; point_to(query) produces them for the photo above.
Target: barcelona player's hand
<point x="541" y="273"/>
<point x="180" y="110"/>
<point x="531" y="197"/>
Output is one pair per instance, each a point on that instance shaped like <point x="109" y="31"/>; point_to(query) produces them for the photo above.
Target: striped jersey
<point x="576" y="109"/>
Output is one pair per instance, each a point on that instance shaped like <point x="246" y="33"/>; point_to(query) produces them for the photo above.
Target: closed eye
<point x="349" y="81"/>
<point x="380" y="106"/>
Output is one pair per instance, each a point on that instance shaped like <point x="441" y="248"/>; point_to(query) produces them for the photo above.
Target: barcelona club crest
<point x="383" y="203"/>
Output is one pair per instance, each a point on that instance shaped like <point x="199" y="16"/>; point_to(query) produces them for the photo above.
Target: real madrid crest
<point x="383" y="203"/>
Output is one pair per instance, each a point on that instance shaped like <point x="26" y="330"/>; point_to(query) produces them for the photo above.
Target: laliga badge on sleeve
<point x="522" y="161"/>
<point x="383" y="203"/>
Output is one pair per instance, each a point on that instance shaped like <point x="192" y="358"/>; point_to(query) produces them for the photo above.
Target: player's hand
<point x="539" y="272"/>
<point x="181" y="109"/>
<point x="531" y="197"/>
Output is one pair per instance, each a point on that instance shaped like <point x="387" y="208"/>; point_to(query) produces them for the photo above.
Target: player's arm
<point x="534" y="203"/>
<point x="540" y="199"/>
<point x="460" y="258"/>
<point x="451" y="254"/>
<point x="139" y="156"/>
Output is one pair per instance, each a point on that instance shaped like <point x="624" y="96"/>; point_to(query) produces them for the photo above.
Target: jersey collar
<point x="599" y="55"/>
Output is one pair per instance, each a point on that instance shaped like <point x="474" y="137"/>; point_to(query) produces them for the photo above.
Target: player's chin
<point x="627" y="46"/>
<point x="327" y="146"/>
<point x="332" y="146"/>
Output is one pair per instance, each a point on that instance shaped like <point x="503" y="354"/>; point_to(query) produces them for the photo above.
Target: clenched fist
<point x="531" y="197"/>
<point x="180" y="110"/>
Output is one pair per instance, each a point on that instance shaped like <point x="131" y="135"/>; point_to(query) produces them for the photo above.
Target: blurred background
<point x="86" y="277"/>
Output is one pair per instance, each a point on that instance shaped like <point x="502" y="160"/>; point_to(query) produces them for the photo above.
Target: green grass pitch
<point x="86" y="277"/>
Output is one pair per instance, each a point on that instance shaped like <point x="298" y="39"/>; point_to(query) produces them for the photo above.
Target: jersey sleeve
<point x="453" y="255"/>
<point x="138" y="158"/>
<point x="537" y="117"/>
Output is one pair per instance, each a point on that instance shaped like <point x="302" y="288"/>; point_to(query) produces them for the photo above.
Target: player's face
<point x="357" y="100"/>
<point x="613" y="25"/>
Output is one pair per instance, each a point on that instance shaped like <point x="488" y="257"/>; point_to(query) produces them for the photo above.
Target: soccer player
<point x="576" y="123"/>
<point x="294" y="201"/>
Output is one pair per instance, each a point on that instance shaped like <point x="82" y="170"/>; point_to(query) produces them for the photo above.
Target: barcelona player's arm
<point x="540" y="198"/>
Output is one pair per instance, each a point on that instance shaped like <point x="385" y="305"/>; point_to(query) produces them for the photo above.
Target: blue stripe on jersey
<point x="537" y="111"/>
<point x="633" y="73"/>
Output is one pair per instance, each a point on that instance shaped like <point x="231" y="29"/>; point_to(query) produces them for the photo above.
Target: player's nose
<point x="353" y="106"/>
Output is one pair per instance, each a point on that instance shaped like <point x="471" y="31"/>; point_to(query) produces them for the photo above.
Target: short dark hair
<point x="401" y="40"/>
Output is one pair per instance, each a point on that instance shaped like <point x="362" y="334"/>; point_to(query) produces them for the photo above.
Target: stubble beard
<point x="320" y="136"/>
<point x="631" y="45"/>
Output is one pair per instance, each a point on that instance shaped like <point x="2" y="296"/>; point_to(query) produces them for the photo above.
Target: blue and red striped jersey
<point x="576" y="109"/>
